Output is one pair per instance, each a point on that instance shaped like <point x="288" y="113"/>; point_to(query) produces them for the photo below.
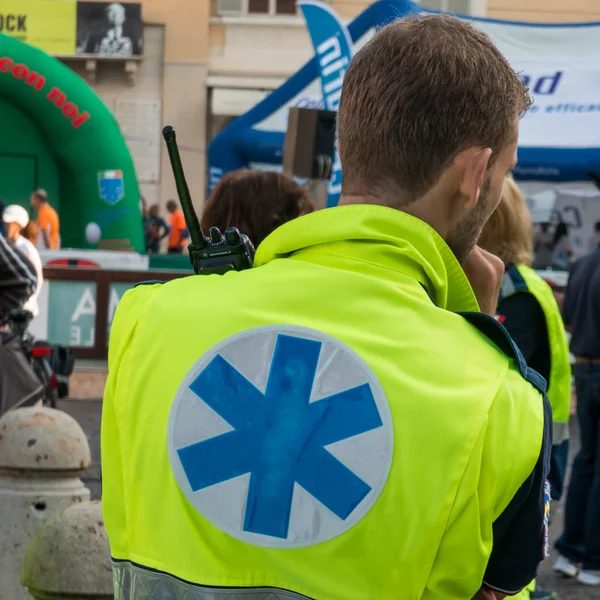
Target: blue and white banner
<point x="333" y="48"/>
<point x="560" y="136"/>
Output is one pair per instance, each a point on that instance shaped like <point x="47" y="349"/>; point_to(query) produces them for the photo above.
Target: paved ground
<point x="87" y="413"/>
<point x="568" y="589"/>
<point x="87" y="382"/>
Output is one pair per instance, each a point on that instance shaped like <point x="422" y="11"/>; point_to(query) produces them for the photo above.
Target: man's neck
<point x="429" y="208"/>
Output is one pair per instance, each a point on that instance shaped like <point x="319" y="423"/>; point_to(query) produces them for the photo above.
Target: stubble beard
<point x="465" y="235"/>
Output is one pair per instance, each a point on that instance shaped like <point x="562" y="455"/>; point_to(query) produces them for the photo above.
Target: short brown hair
<point x="424" y="89"/>
<point x="509" y="232"/>
<point x="41" y="194"/>
<point x="256" y="202"/>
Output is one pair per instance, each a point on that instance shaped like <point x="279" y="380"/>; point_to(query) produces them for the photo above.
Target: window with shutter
<point x="461" y="7"/>
<point x="285" y="7"/>
<point x="257" y="7"/>
<point x="231" y="7"/>
<point x="288" y="7"/>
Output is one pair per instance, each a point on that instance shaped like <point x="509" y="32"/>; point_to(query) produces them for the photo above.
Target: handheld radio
<point x="217" y="253"/>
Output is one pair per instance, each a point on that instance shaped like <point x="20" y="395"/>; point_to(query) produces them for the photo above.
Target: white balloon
<point x="93" y="233"/>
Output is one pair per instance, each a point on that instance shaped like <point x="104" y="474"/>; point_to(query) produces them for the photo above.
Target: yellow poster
<point x="50" y="25"/>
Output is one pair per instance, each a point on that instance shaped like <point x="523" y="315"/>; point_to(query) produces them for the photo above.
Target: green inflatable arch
<point x="57" y="134"/>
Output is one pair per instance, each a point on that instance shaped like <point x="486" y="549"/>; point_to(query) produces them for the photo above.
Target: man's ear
<point x="475" y="166"/>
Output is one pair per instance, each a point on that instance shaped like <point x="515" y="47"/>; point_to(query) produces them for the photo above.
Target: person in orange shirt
<point x="178" y="233"/>
<point x="47" y="221"/>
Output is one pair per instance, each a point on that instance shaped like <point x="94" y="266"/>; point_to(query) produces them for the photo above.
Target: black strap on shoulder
<point x="496" y="332"/>
<point x="512" y="283"/>
<point x="149" y="282"/>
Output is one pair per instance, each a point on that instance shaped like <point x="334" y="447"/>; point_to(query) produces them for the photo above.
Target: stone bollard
<point x="42" y="454"/>
<point x="69" y="556"/>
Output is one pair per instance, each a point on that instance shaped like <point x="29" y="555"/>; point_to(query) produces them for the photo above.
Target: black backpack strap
<point x="512" y="283"/>
<point x="496" y="332"/>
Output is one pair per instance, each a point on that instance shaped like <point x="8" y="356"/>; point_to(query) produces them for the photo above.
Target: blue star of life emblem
<point x="281" y="436"/>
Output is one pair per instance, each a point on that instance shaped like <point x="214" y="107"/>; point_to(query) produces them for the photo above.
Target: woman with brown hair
<point x="529" y="311"/>
<point x="256" y="202"/>
<point x="509" y="231"/>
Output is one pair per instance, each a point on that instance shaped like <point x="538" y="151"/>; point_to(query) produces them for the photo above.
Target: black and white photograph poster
<point x="109" y="28"/>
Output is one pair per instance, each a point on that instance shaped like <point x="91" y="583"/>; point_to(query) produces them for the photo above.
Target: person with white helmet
<point x="19" y="231"/>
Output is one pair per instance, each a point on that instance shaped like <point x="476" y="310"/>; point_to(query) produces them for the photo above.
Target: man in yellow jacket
<point x="345" y="421"/>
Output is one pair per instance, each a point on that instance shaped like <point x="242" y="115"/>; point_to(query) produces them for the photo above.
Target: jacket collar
<point x="382" y="237"/>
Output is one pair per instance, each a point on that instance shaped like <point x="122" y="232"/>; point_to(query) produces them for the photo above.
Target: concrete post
<point x="69" y="556"/>
<point x="42" y="454"/>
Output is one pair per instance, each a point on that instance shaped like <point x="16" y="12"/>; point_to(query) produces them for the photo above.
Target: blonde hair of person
<point x="509" y="231"/>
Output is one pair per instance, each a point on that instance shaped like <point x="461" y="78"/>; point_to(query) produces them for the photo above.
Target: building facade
<point x="544" y="11"/>
<point x="208" y="61"/>
<point x="255" y="45"/>
<point x="166" y="85"/>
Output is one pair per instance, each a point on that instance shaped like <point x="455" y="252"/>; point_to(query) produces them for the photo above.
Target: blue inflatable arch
<point x="242" y="142"/>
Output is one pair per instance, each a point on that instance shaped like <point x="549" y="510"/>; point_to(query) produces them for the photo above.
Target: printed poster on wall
<point x="109" y="29"/>
<point x="65" y="28"/>
<point x="47" y="24"/>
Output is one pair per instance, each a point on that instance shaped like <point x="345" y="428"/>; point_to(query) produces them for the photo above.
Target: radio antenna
<point x="191" y="218"/>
